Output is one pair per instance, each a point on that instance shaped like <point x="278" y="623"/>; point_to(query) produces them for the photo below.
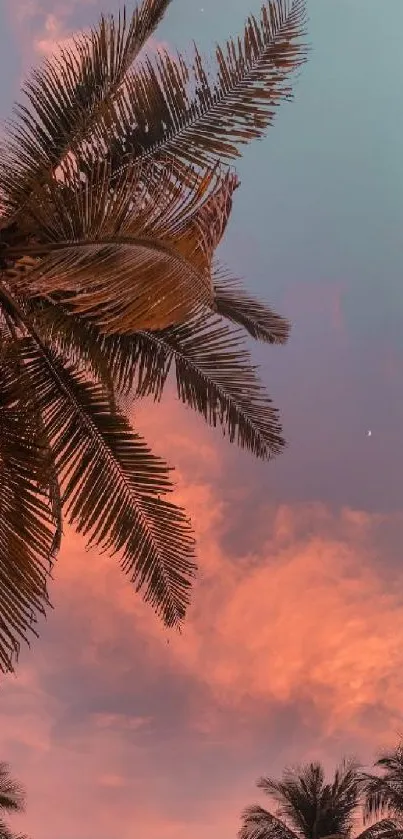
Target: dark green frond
<point x="258" y="823"/>
<point x="169" y="108"/>
<point x="113" y="486"/>
<point x="71" y="99"/>
<point x="234" y="303"/>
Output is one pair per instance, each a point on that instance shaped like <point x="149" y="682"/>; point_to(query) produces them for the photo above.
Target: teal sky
<point x="293" y="648"/>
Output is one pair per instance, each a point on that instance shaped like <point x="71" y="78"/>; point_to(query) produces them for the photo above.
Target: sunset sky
<point x="293" y="648"/>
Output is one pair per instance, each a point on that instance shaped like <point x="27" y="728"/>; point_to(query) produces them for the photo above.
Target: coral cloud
<point x="298" y="637"/>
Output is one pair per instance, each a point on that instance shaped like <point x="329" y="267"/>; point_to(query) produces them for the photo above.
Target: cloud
<point x="42" y="27"/>
<point x="292" y="650"/>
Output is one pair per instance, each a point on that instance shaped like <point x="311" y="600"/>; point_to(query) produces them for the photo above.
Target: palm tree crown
<point x="384" y="791"/>
<point x="309" y="808"/>
<point x="115" y="191"/>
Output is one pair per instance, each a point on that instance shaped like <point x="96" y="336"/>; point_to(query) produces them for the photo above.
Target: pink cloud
<point x="102" y="703"/>
<point x="43" y="26"/>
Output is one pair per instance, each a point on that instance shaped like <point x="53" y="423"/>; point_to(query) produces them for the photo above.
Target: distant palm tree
<point x="12" y="800"/>
<point x="115" y="191"/>
<point x="384" y="792"/>
<point x="310" y="808"/>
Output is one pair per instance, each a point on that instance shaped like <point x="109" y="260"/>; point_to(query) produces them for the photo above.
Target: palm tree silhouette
<point x="115" y="191"/>
<point x="12" y="800"/>
<point x="310" y="808"/>
<point x="384" y="792"/>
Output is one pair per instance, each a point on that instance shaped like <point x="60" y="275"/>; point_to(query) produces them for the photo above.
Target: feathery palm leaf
<point x="28" y="507"/>
<point x="75" y="340"/>
<point x="213" y="370"/>
<point x="168" y="108"/>
<point x="385" y="792"/>
<point x="71" y="99"/>
<point x="384" y="829"/>
<point x="112" y="484"/>
<point x="310" y="808"/>
<point x="234" y="303"/>
<point x="135" y="257"/>
<point x="12" y="800"/>
<point x="12" y="794"/>
<point x="215" y="377"/>
<point x="258" y="823"/>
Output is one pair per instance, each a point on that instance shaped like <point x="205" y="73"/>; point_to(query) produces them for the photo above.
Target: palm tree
<point x="115" y="188"/>
<point x="310" y="808"/>
<point x="384" y="792"/>
<point x="12" y="800"/>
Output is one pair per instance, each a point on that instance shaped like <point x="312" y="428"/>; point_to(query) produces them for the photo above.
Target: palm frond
<point x="135" y="256"/>
<point x="75" y="340"/>
<point x="384" y="829"/>
<point x="214" y="376"/>
<point x="258" y="823"/>
<point x="28" y="530"/>
<point x="234" y="303"/>
<point x="297" y="795"/>
<point x="171" y="109"/>
<point x="12" y="793"/>
<point x="123" y="364"/>
<point x="71" y="99"/>
<point x="113" y="485"/>
<point x="384" y="792"/>
<point x="313" y="807"/>
<point x="7" y="833"/>
<point x="381" y="795"/>
<point x="213" y="370"/>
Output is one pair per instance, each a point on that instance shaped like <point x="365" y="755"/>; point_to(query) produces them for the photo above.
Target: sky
<point x="293" y="648"/>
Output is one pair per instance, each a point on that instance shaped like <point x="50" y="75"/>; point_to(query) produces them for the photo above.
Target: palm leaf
<point x="258" y="823"/>
<point x="313" y="807"/>
<point x="234" y="303"/>
<point x="384" y="792"/>
<point x="75" y="340"/>
<point x="12" y="794"/>
<point x="170" y="109"/>
<point x="384" y="829"/>
<point x="137" y="255"/>
<point x="112" y="484"/>
<point x="27" y="509"/>
<point x="71" y="99"/>
<point x="380" y="796"/>
<point x="213" y="370"/>
<point x="214" y="376"/>
<point x="6" y="833"/>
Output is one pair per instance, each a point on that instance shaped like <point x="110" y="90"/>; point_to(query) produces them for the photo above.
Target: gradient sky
<point x="294" y="645"/>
